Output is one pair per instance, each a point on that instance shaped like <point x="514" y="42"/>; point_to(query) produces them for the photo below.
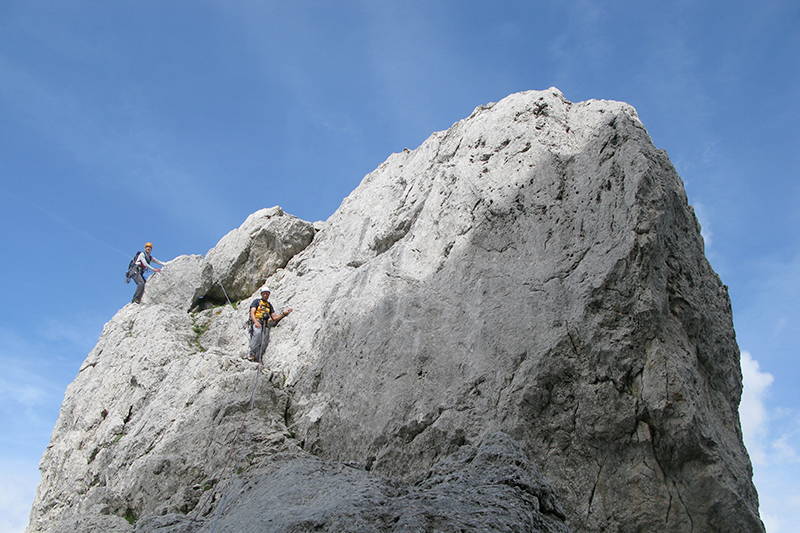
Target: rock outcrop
<point x="182" y="283"/>
<point x="236" y="267"/>
<point x="511" y="328"/>
<point x="248" y="255"/>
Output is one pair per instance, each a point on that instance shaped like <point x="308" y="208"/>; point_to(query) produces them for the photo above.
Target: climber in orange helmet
<point x="138" y="267"/>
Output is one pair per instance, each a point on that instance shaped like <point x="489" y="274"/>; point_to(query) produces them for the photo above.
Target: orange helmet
<point x="148" y="245"/>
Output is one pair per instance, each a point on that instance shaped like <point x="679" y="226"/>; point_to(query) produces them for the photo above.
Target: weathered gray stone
<point x="94" y="522"/>
<point x="491" y="487"/>
<point x="143" y="423"/>
<point x="181" y="283"/>
<point x="248" y="255"/>
<point x="511" y="328"/>
<point x="236" y="267"/>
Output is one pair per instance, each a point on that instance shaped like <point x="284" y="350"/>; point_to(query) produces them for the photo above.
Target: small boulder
<point x="249" y="254"/>
<point x="182" y="283"/>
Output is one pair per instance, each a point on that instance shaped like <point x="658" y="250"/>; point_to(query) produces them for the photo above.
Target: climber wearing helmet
<point x="138" y="267"/>
<point x="262" y="317"/>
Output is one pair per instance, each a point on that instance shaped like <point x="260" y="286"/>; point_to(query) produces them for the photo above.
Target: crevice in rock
<point x="128" y="416"/>
<point x="518" y="152"/>
<point x="521" y="358"/>
<point x="438" y="159"/>
<point x="383" y="242"/>
<point x="565" y="273"/>
<point x="575" y="416"/>
<point x="669" y="508"/>
<point x="153" y="444"/>
<point x="540" y="109"/>
<point x="594" y="488"/>
<point x="572" y="342"/>
<point x="667" y="480"/>
<point x="88" y="365"/>
<point x="406" y="194"/>
<point x="685" y="508"/>
<point x="210" y="300"/>
<point x="287" y="415"/>
<point x="93" y="455"/>
<point x="411" y="430"/>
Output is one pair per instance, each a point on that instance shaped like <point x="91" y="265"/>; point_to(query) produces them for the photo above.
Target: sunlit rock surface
<point x="511" y="328"/>
<point x="236" y="267"/>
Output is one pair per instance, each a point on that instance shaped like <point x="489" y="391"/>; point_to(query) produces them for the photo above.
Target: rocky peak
<point x="511" y="328"/>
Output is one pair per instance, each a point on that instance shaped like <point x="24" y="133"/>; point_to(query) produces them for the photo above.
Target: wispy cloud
<point x="771" y="310"/>
<point x="785" y="450"/>
<point x="81" y="331"/>
<point x="705" y="224"/>
<point x="772" y="524"/>
<point x="30" y="393"/>
<point x="28" y="400"/>
<point x="752" y="410"/>
<point x="25" y="393"/>
<point x="17" y="490"/>
<point x="581" y="49"/>
<point x="129" y="152"/>
<point x="403" y="69"/>
<point x="62" y="222"/>
<point x="772" y="436"/>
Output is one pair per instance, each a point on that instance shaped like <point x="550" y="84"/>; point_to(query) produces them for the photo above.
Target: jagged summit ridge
<point x="519" y="307"/>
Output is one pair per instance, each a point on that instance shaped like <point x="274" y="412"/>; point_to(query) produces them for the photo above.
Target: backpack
<point x="133" y="268"/>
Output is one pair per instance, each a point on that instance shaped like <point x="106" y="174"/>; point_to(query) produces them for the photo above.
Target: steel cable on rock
<point x="225" y="293"/>
<point x="218" y="474"/>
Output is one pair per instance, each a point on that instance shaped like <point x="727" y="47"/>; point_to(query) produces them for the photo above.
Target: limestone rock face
<point x="511" y="328"/>
<point x="490" y="487"/>
<point x="181" y="283"/>
<point x="246" y="256"/>
<point x="236" y="267"/>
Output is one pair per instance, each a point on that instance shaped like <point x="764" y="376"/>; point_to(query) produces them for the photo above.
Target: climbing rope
<point x="225" y="293"/>
<point x="253" y="387"/>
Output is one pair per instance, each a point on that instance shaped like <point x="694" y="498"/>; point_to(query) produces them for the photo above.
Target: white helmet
<point x="264" y="289"/>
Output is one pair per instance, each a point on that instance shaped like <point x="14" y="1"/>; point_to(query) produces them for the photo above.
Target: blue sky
<point x="139" y="120"/>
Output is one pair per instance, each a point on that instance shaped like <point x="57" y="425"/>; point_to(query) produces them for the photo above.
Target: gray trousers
<point x="137" y="296"/>
<point x="259" y="341"/>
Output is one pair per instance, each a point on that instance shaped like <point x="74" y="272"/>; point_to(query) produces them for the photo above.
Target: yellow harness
<point x="264" y="309"/>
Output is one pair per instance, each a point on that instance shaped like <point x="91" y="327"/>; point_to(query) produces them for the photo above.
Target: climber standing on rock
<point x="137" y="268"/>
<point x="262" y="317"/>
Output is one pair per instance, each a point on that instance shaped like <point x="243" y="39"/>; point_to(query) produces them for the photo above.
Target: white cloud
<point x="705" y="224"/>
<point x="784" y="450"/>
<point x="752" y="411"/>
<point x="770" y="434"/>
<point x="771" y="523"/>
<point x="26" y="393"/>
<point x="81" y="331"/>
<point x="17" y="490"/>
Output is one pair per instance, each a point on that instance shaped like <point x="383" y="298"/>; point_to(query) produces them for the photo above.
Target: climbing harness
<point x="264" y="310"/>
